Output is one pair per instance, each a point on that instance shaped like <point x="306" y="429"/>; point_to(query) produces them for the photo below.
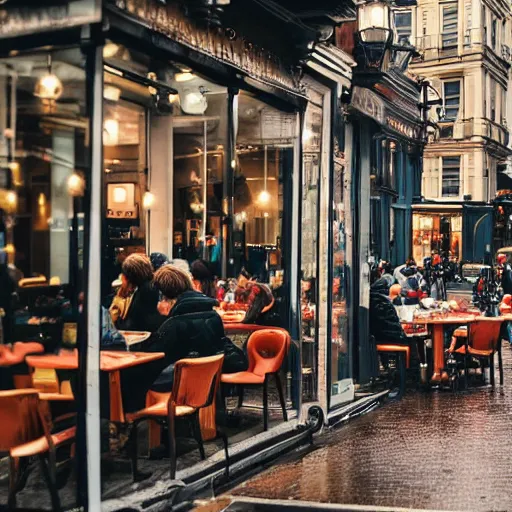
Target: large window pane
<point x="44" y="168"/>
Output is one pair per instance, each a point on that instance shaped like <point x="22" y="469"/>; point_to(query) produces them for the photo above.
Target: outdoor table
<point x="438" y="324"/>
<point x="111" y="362"/>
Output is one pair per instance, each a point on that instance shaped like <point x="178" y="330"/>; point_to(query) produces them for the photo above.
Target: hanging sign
<point x="24" y="17"/>
<point x="169" y="19"/>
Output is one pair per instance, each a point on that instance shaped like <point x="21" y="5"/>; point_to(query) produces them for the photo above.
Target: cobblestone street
<point x="438" y="450"/>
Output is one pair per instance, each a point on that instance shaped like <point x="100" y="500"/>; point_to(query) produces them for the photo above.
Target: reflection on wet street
<point x="438" y="450"/>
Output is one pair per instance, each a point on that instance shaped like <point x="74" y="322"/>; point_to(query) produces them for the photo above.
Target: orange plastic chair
<point x="27" y="432"/>
<point x="266" y="350"/>
<point x="12" y="356"/>
<point x="195" y="386"/>
<point x="482" y="343"/>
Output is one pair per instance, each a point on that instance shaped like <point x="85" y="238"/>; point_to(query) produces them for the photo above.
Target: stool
<point x="403" y="353"/>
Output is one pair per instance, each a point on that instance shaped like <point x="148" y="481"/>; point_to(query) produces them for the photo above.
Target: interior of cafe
<point x="190" y="170"/>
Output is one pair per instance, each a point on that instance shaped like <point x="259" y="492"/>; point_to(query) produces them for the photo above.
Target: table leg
<point x="438" y="352"/>
<point x="116" y="398"/>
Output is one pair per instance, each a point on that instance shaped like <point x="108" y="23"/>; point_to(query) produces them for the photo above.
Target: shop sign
<point x="369" y="103"/>
<point x="170" y="20"/>
<point x="413" y="132"/>
<point x="17" y="19"/>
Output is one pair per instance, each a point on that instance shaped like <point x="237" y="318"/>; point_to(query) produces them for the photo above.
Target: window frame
<point x="445" y="98"/>
<point x="403" y="30"/>
<point x="450" y="179"/>
<point x="448" y="35"/>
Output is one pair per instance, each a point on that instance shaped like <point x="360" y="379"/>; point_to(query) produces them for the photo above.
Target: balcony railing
<point x="477" y="127"/>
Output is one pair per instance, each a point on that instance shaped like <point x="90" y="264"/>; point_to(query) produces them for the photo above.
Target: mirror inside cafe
<point x="194" y="266"/>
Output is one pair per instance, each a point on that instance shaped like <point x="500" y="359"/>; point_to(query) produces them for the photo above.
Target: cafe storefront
<point x="131" y="128"/>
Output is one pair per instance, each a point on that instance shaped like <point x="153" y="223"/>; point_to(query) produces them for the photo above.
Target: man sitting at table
<point x="192" y="329"/>
<point x="385" y="325"/>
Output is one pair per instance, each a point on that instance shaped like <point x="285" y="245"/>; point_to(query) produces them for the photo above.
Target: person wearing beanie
<point x="158" y="260"/>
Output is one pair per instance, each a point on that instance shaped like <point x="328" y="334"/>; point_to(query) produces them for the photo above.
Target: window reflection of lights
<point x="266" y="215"/>
<point x="173" y="98"/>
<point x="111" y="93"/>
<point x="11" y="199"/>
<point x="307" y="135"/>
<point x="110" y="50"/>
<point x="76" y="185"/>
<point x="108" y="171"/>
<point x="197" y="207"/>
<point x="233" y="164"/>
<point x="119" y="195"/>
<point x="152" y="76"/>
<point x="41" y="200"/>
<point x="186" y="76"/>
<point x="111" y="132"/>
<point x="148" y="200"/>
<point x="116" y="161"/>
<point x="49" y="86"/>
<point x="264" y="197"/>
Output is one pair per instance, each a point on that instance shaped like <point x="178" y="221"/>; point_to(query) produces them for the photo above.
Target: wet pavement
<point x="436" y="451"/>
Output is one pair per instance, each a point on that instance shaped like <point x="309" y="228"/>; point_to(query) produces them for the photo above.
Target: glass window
<point x="312" y="137"/>
<point x="452" y="99"/>
<point x="494" y="33"/>
<point x="44" y="169"/>
<point x="403" y="25"/>
<point x="451" y="176"/>
<point x="450" y="26"/>
<point x="468" y="20"/>
<point x="493" y="99"/>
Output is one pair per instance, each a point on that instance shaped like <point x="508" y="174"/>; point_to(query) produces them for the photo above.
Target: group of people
<point x="177" y="305"/>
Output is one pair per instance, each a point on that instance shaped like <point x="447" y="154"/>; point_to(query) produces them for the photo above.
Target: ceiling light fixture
<point x="111" y="132"/>
<point x="111" y="93"/>
<point x="148" y="200"/>
<point x="186" y="76"/>
<point x="49" y="87"/>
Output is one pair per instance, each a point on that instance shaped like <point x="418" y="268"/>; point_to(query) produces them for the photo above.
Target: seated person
<point x="385" y="325"/>
<point x="192" y="328"/>
<point x="258" y="298"/>
<point x="134" y="306"/>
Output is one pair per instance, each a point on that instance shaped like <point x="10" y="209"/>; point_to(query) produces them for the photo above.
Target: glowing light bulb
<point x="148" y="200"/>
<point x="264" y="197"/>
<point x="76" y="185"/>
<point x="49" y="87"/>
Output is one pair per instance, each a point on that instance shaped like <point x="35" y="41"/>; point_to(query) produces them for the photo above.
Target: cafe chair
<point x="27" y="432"/>
<point x="14" y="356"/>
<point x="482" y="343"/>
<point x="195" y="386"/>
<point x="403" y="356"/>
<point x="266" y="350"/>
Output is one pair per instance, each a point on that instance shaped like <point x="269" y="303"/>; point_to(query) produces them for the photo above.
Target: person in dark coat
<point x="385" y="325"/>
<point x="158" y="260"/>
<point x="135" y="306"/>
<point x="506" y="274"/>
<point x="192" y="328"/>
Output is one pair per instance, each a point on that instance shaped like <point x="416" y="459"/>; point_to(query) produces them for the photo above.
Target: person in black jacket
<point x="385" y="325"/>
<point x="192" y="328"/>
<point x="7" y="288"/>
<point x="135" y="306"/>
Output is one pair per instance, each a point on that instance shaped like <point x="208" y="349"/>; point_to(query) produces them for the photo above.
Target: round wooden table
<point x="438" y="324"/>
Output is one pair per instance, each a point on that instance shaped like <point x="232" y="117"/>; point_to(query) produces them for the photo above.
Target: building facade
<point x="464" y="51"/>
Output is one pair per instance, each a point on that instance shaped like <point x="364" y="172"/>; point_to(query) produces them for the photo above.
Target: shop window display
<point x="44" y="170"/>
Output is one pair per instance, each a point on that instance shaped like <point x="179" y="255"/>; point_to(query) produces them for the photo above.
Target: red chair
<point x="483" y="342"/>
<point x="15" y="355"/>
<point x="28" y="431"/>
<point x="266" y="350"/>
<point x="195" y="386"/>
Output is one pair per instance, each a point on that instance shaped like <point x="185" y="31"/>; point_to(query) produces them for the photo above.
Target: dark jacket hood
<point x="380" y="286"/>
<point x="192" y="302"/>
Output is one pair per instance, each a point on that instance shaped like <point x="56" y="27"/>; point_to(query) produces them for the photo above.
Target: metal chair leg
<point x="402" y="369"/>
<point x="172" y="445"/>
<point x="13" y="482"/>
<point x="48" y="470"/>
<point x="224" y="438"/>
<point x="281" y="395"/>
<point x="500" y="364"/>
<point x="265" y="403"/>
<point x="491" y="370"/>
<point x="196" y="429"/>
<point x="240" y="395"/>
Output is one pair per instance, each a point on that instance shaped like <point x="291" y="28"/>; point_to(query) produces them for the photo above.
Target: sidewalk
<point x="436" y="451"/>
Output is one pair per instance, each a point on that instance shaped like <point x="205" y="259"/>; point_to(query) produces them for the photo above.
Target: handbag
<point x="235" y="359"/>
